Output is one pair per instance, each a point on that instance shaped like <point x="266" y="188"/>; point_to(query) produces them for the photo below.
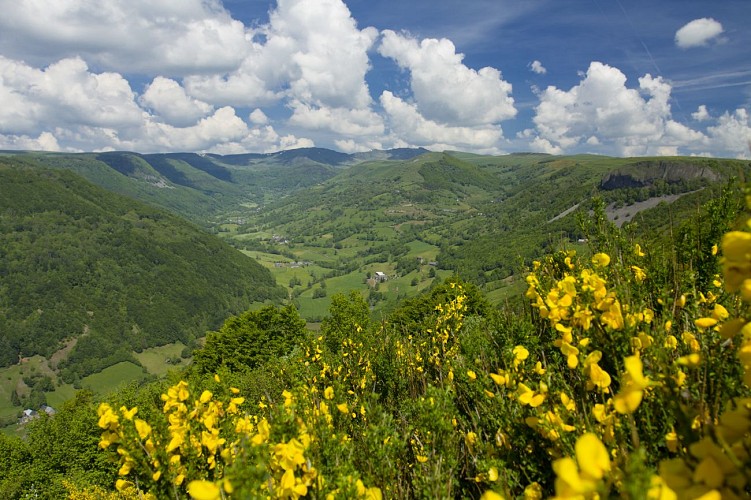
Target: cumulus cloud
<point x="537" y="67"/>
<point x="167" y="99"/>
<point x="701" y="114"/>
<point x="258" y="117"/>
<point x="409" y="124"/>
<point x="445" y="90"/>
<point x="64" y="92"/>
<point x="179" y="36"/>
<point x="733" y="133"/>
<point x="311" y="51"/>
<point x="602" y="111"/>
<point x="698" y="32"/>
<point x="45" y="142"/>
<point x="344" y="121"/>
<point x="67" y="104"/>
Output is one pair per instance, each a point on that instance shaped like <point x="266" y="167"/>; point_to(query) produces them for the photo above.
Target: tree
<point x="347" y="314"/>
<point x="247" y="341"/>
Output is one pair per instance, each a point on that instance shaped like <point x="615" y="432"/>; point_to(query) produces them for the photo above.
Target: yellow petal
<point x="203" y="490"/>
<point x="705" y="322"/>
<point x="491" y="495"/>
<point x="628" y="400"/>
<point x="592" y="456"/>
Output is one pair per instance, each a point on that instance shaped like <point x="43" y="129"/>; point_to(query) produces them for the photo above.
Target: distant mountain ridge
<point x="198" y="185"/>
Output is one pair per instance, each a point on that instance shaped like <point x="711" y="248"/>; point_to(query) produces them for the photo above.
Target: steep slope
<point x="79" y="262"/>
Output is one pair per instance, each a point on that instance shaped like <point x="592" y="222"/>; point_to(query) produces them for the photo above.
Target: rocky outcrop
<point x="645" y="173"/>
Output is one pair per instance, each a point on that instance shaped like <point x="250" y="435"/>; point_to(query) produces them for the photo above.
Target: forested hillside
<point x="78" y="262"/>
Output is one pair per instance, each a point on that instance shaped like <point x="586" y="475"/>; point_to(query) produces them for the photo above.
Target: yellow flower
<point x="567" y="402"/>
<point x="671" y="440"/>
<point x="289" y="455"/>
<point x="499" y="378"/>
<point x="592" y="456"/>
<point x="422" y="458"/>
<point x="342" y="407"/>
<point x="528" y="397"/>
<point x="491" y="495"/>
<point x="571" y="353"/>
<point x="128" y="414"/>
<point x="520" y="353"/>
<point x="143" y="428"/>
<point x="639" y="274"/>
<point x="731" y="328"/>
<point x="206" y="397"/>
<point x="691" y="360"/>
<point x="328" y="393"/>
<point x="736" y="263"/>
<point x="705" y="322"/>
<point x="720" y="313"/>
<point x="493" y="474"/>
<point x="633" y="383"/>
<point x="107" y="417"/>
<point x="638" y="251"/>
<point x="472" y="375"/>
<point x="601" y="259"/>
<point x="533" y="492"/>
<point x="122" y="484"/>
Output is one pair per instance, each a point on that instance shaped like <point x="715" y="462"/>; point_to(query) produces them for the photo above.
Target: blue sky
<point x="616" y="77"/>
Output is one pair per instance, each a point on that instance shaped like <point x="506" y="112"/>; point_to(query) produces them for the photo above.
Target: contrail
<point x="644" y="45"/>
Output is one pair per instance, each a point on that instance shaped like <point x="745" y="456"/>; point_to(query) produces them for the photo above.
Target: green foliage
<point x="347" y="313"/>
<point x="250" y="340"/>
<point x="57" y="448"/>
<point x="78" y="261"/>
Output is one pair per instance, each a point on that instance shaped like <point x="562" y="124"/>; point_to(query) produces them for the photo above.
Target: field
<point x="160" y="360"/>
<point x="155" y="362"/>
<point x="113" y="377"/>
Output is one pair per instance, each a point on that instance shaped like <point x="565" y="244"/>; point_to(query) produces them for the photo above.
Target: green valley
<point x="92" y="279"/>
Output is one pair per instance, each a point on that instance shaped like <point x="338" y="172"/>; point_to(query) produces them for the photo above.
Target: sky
<point x="613" y="77"/>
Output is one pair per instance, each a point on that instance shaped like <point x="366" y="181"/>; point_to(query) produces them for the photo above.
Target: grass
<point x="113" y="377"/>
<point x="154" y="360"/>
<point x="12" y="375"/>
<point x="60" y="395"/>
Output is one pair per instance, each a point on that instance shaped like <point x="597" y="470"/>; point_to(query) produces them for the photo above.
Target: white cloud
<point x="258" y="117"/>
<point x="602" y="111"/>
<point x="167" y="99"/>
<point x="537" y="67"/>
<point x="698" y="32"/>
<point x="174" y="37"/>
<point x="67" y="107"/>
<point x="311" y="51"/>
<point x="65" y="92"/>
<point x="352" y="146"/>
<point x="344" y="121"/>
<point x="410" y="125"/>
<point x="732" y="134"/>
<point x="45" y="142"/>
<point x="701" y="114"/>
<point x="445" y="90"/>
